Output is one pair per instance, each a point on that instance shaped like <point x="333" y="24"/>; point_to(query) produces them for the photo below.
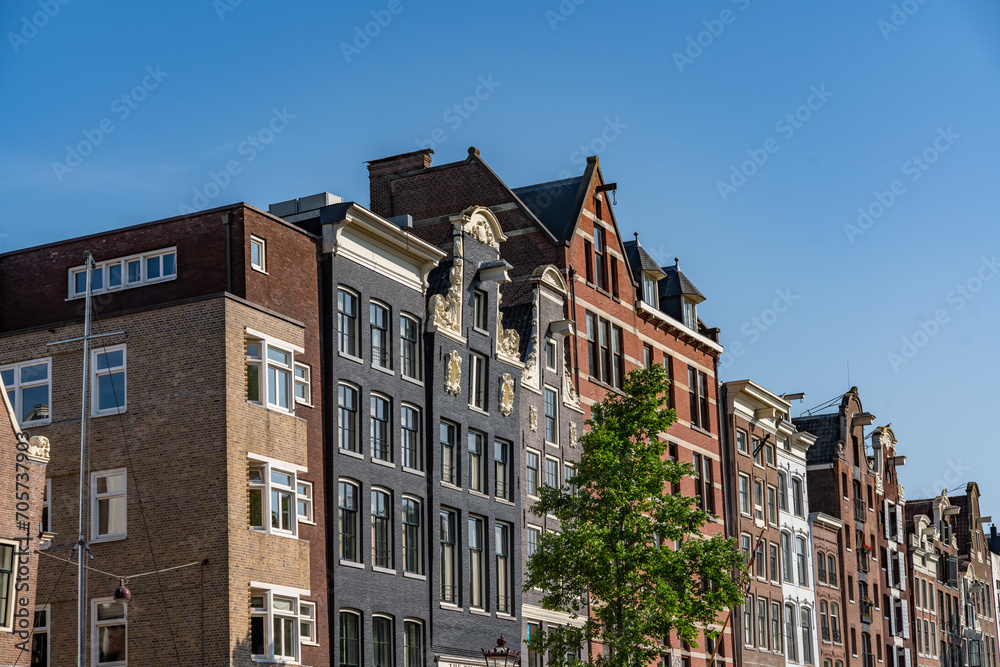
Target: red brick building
<point x="626" y="310"/>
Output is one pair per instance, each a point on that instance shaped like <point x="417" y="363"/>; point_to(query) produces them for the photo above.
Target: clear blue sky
<point x="201" y="78"/>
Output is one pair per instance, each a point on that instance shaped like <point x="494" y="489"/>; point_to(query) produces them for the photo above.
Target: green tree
<point x="625" y="544"/>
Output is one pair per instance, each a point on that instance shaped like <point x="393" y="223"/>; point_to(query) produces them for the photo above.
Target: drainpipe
<point x="727" y="517"/>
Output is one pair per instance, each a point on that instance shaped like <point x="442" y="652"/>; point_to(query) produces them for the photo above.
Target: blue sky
<point x="744" y="138"/>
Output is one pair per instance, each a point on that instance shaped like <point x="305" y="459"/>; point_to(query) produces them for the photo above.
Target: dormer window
<point x="690" y="314"/>
<point x="649" y="290"/>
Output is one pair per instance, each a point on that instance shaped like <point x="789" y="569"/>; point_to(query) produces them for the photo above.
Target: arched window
<point x="831" y="569"/>
<point x="807" y="645"/>
<point x="800" y="560"/>
<point x="835" y="622"/>
<point x="786" y="556"/>
<point x="413" y="536"/>
<point x="350" y="636"/>
<point x="381" y="529"/>
<point x="791" y="641"/>
<point x="782" y="491"/>
<point x="821" y="567"/>
<point x="383" y="641"/>
<point x="824" y="620"/>
<point x="348" y="504"/>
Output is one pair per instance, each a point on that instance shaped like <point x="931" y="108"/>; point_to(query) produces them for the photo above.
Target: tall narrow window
<point x="350" y="638"/>
<point x="531" y="537"/>
<point x="257" y="257"/>
<point x="448" y="435"/>
<point x="383" y="641"/>
<point x="605" y="342"/>
<point x="776" y="626"/>
<point x="476" y="569"/>
<point x="797" y="497"/>
<point x="650" y="290"/>
<point x="689" y="316"/>
<point x="477" y="381"/>
<point x="40" y="638"/>
<point x="347" y="418"/>
<point x="479" y="310"/>
<point x="413" y="644"/>
<point x="381" y="440"/>
<point x="551" y="418"/>
<point x="758" y="499"/>
<point x="503" y="568"/>
<point x="600" y="259"/>
<point x="786" y="556"/>
<point x="409" y="348"/>
<point x="282" y="504"/>
<point x="618" y="353"/>
<point x="347" y="519"/>
<point x="593" y="354"/>
<point x="107" y="506"/>
<point x="379" y="324"/>
<point x="791" y="641"/>
<point x="614" y="276"/>
<point x="773" y="561"/>
<point x="108" y="381"/>
<point x="279" y="378"/>
<point x="762" y="605"/>
<point x="413" y="560"/>
<point x="303" y="390"/>
<point x="381" y="529"/>
<point x="835" y="622"/>
<point x="531" y="478"/>
<point x="552" y="473"/>
<point x="254" y="363"/>
<point x="477" y="472"/>
<point x="448" y="555"/>
<point x="569" y="472"/>
<point x="800" y="560"/>
<point x="695" y="412"/>
<point x="821" y="567"/>
<point x="647" y="355"/>
<point x="8" y="570"/>
<point x="772" y="505"/>
<point x="807" y="646"/>
<point x="744" y="494"/>
<point x="410" y="418"/>
<point x="588" y="251"/>
<point x="534" y="657"/>
<point x="110" y="634"/>
<point x="501" y="468"/>
<point x="782" y="491"/>
<point x="748" y="627"/>
<point x="347" y="322"/>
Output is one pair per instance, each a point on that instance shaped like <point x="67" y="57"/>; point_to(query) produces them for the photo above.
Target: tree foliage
<point x="627" y="546"/>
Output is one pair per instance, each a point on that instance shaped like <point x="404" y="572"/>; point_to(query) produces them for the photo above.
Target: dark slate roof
<point x="437" y="280"/>
<point x="676" y="284"/>
<point x="826" y="428"/>
<point x="519" y="318"/>
<point x="554" y="203"/>
<point x="640" y="260"/>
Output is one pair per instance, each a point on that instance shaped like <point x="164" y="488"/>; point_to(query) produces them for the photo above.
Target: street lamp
<point x="501" y="656"/>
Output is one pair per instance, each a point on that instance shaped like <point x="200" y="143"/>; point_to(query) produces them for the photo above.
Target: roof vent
<point x="303" y="208"/>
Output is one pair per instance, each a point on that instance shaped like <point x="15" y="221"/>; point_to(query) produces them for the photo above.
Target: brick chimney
<point x="381" y="171"/>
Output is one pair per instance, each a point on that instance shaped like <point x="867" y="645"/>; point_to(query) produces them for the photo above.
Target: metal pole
<point x="81" y="545"/>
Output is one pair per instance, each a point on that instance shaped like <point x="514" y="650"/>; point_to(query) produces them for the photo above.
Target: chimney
<point x="381" y="171"/>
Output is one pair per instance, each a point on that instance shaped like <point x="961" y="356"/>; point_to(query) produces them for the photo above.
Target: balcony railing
<point x="836" y="635"/>
<point x="859" y="510"/>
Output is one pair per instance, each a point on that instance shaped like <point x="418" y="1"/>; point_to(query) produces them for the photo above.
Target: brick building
<point x="624" y="308"/>
<point x="205" y="439"/>
<point x="827" y="536"/>
<point x="23" y="517"/>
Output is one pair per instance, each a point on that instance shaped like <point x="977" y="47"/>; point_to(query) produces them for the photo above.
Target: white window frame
<point x="307" y="618"/>
<point x="479" y="303"/>
<point x="550" y="346"/>
<point x="527" y="542"/>
<point x="95" y="499"/>
<point x="355" y="444"/>
<point x="355" y="321"/>
<point x="414" y="322"/>
<point x="421" y="660"/>
<point x="123" y="262"/>
<point x="95" y="408"/>
<point x="46" y="629"/>
<point x="18" y="386"/>
<point x="46" y="523"/>
<point x="649" y="290"/>
<point x="477" y="381"/>
<point x="539" y="472"/>
<point x="549" y="460"/>
<point x="269" y="592"/>
<point x="417" y="435"/>
<point x="554" y="417"/>
<point x="265" y="364"/>
<point x="262" y="264"/>
<point x="421" y="568"/>
<point x="304" y="381"/>
<point x="354" y="516"/>
<point x="387" y="345"/>
<point x="95" y="626"/>
<point x="268" y="465"/>
<point x="744" y="507"/>
<point x="7" y="624"/>
<point x="304" y="495"/>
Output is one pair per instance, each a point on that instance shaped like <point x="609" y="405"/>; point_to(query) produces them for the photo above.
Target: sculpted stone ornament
<point x="508" y="341"/>
<point x="480" y="229"/>
<point x="38" y="448"/>
<point x="573" y="439"/>
<point x="506" y="394"/>
<point x="446" y="311"/>
<point x="529" y="376"/>
<point x="533" y="418"/>
<point x="570" y="397"/>
<point x="453" y="374"/>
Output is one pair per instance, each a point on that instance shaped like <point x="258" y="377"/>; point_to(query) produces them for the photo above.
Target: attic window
<point x="690" y="314"/>
<point x="649" y="290"/>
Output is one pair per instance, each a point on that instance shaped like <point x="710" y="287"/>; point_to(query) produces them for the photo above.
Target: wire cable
<point x="47" y="598"/>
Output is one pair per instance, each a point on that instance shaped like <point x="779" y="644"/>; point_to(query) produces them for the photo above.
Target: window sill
<point x="450" y="606"/>
<point x="303" y="403"/>
<point x="382" y="369"/>
<point x="699" y="429"/>
<point x="480" y="612"/>
<point x="481" y="331"/>
<point x="504" y="501"/>
<point x="383" y="570"/>
<point x="552" y="444"/>
<point x="414" y="575"/>
<point x="351" y="357"/>
<point x="386" y="464"/>
<point x="475" y="408"/>
<point x="414" y="471"/>
<point x="449" y="485"/>
<point x="108" y="413"/>
<point x="407" y="378"/>
<point x="479" y="494"/>
<point x="259" y="270"/>
<point x="351" y="563"/>
<point x="308" y="523"/>
<point x="353" y="455"/>
<point x="108" y="538"/>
